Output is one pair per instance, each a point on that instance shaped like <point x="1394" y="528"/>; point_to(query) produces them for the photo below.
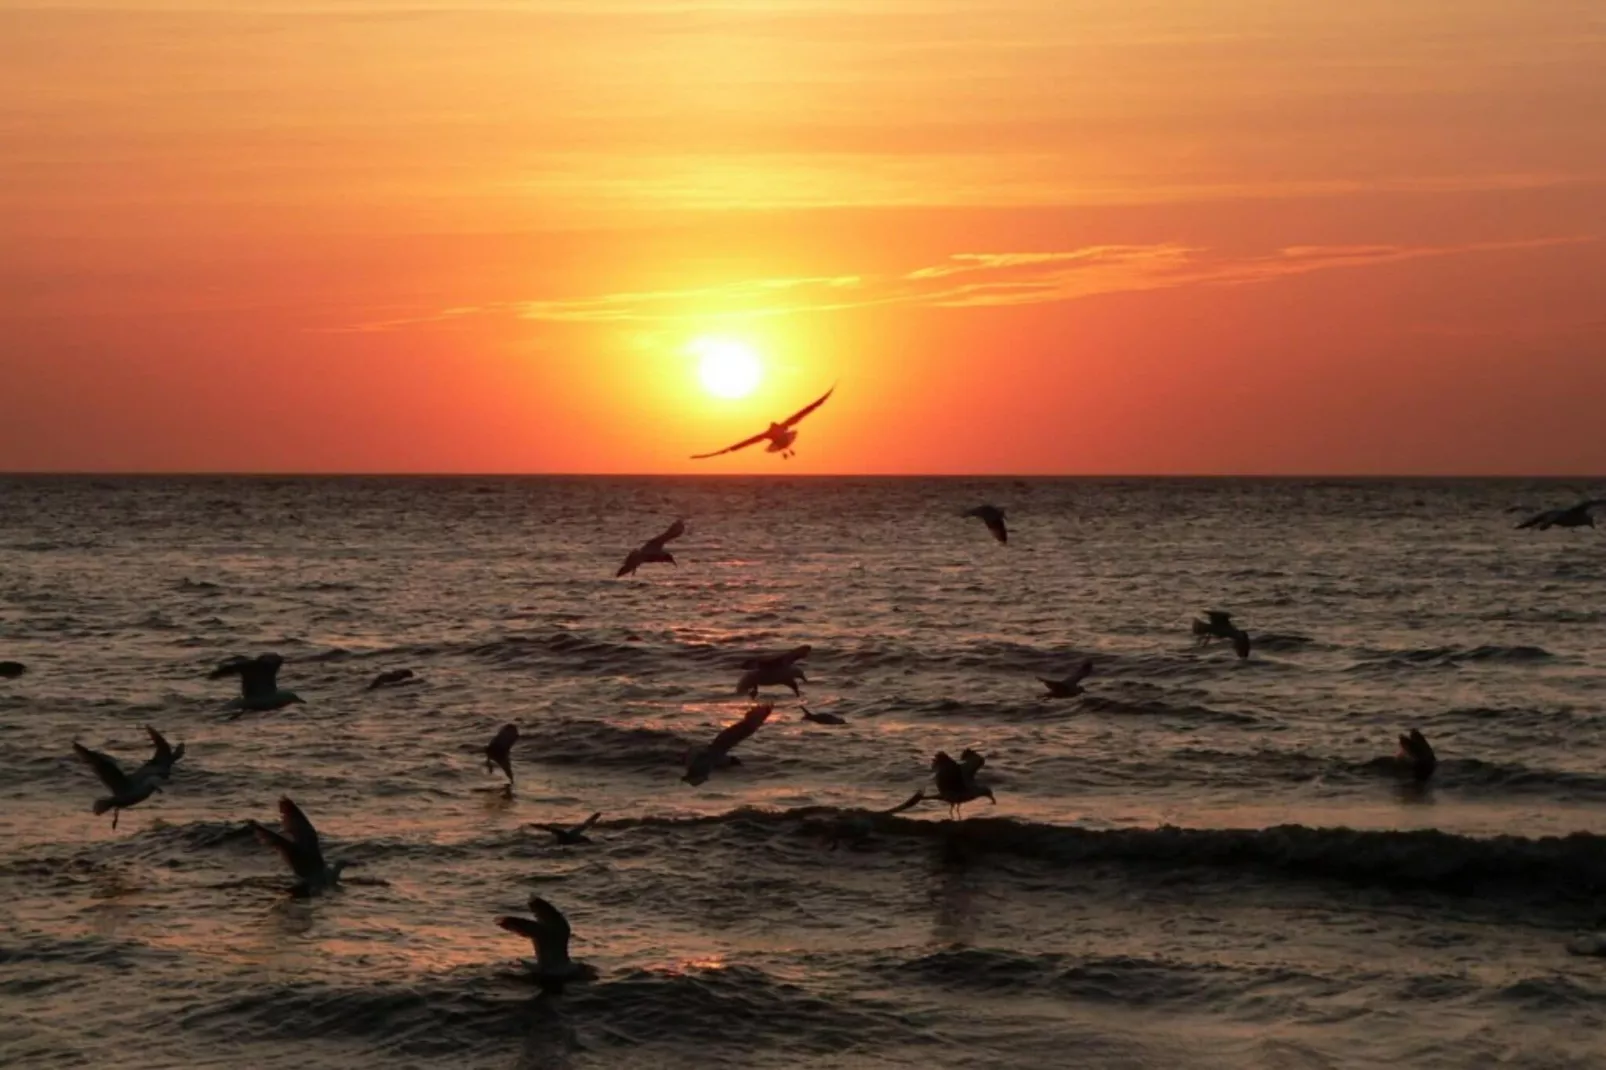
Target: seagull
<point x="10" y="670"/>
<point x="1573" y="516"/>
<point x="298" y="846"/>
<point x="1415" y="748"/>
<point x="125" y="790"/>
<point x="702" y="760"/>
<point x="778" y="670"/>
<point x="391" y="678"/>
<point x="956" y="783"/>
<point x="821" y="718"/>
<point x="1220" y="626"/>
<point x="652" y="551"/>
<point x="160" y="763"/>
<point x="781" y="435"/>
<point x="993" y="517"/>
<point x="259" y="683"/>
<point x="499" y="752"/>
<point x="572" y="835"/>
<point x="1071" y="686"/>
<point x="549" y="931"/>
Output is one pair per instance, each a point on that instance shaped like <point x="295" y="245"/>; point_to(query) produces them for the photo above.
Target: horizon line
<point x="269" y="474"/>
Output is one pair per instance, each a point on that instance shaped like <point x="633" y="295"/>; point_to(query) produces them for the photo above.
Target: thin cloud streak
<point x="973" y="280"/>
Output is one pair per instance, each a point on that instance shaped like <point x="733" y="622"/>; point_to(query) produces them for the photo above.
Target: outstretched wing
<point x="260" y="676"/>
<point x="1217" y="616"/>
<point x="734" y="734"/>
<point x="588" y="822"/>
<point x="105" y="766"/>
<point x="1083" y="671"/>
<point x="676" y="530"/>
<point x="805" y="410"/>
<point x="530" y="929"/>
<point x="797" y="653"/>
<point x="970" y="762"/>
<point x="269" y="838"/>
<point x="742" y="445"/>
<point x="995" y="524"/>
<point x="950" y="776"/>
<point x="298" y="828"/>
<point x="1538" y="520"/>
<point x="164" y="753"/>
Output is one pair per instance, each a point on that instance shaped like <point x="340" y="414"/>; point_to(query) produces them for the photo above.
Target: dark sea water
<point x="1201" y="863"/>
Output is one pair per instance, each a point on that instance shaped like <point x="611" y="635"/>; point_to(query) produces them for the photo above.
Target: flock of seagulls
<point x="953" y="783"/>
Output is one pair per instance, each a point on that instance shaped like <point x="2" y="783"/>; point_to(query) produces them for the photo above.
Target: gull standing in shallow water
<point x="549" y="932"/>
<point x="499" y="752"/>
<point x="993" y="517"/>
<point x="298" y="846"/>
<point x="778" y="670"/>
<point x="956" y="783"/>
<point x="160" y="763"/>
<point x="652" y="551"/>
<point x="1219" y="625"/>
<point x="781" y="435"/>
<point x="703" y="760"/>
<point x="572" y="835"/>
<point x="259" y="683"/>
<point x="1071" y="686"/>
<point x="125" y="790"/>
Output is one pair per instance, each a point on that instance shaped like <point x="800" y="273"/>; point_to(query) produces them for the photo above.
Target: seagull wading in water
<point x="259" y="683"/>
<point x="956" y="783"/>
<point x="1220" y="626"/>
<point x="549" y="932"/>
<point x="1573" y="516"/>
<point x="704" y="760"/>
<point x="777" y="670"/>
<point x="298" y="846"/>
<point x="780" y="436"/>
<point x="652" y="551"/>
<point x="125" y="790"/>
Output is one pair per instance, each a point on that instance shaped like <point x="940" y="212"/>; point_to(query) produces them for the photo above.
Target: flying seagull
<point x="956" y="783"/>
<point x="1219" y="625"/>
<point x="781" y="435"/>
<point x="1573" y="516"/>
<point x="993" y="517"/>
<point x="298" y="846"/>
<point x="391" y="679"/>
<point x="702" y="760"/>
<point x="652" y="551"/>
<point x="160" y="763"/>
<point x="1071" y="686"/>
<point x="1415" y="749"/>
<point x="821" y="718"/>
<point x="572" y="835"/>
<point x="259" y="683"/>
<point x="549" y="932"/>
<point x="776" y="670"/>
<point x="499" y="752"/>
<point x="125" y="790"/>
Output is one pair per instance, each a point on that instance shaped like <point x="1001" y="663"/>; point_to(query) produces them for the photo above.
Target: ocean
<point x="1201" y="862"/>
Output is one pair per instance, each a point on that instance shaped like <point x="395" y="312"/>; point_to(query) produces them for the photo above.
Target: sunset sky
<point x="1024" y="236"/>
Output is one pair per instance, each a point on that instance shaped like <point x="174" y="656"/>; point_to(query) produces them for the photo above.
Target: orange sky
<point x="1026" y="236"/>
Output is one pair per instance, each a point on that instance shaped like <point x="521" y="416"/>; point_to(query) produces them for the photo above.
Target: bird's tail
<point x="102" y="805"/>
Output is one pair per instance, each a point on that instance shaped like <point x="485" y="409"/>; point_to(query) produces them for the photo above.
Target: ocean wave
<point x="1450" y="656"/>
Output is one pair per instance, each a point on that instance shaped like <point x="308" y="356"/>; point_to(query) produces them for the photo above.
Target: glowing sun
<point x="728" y="368"/>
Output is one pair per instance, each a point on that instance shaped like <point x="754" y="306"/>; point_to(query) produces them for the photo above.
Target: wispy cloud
<point x="973" y="280"/>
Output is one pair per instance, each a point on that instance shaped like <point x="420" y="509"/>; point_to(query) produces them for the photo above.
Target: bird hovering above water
<point x="298" y="846"/>
<point x="777" y="670"/>
<point x="703" y="760"/>
<point x="993" y="517"/>
<point x="572" y="835"/>
<point x="956" y="783"/>
<point x="1573" y="516"/>
<point x="549" y="932"/>
<point x="125" y="790"/>
<point x="652" y="551"/>
<point x="1071" y="686"/>
<point x="780" y="436"/>
<point x="1220" y="626"/>
<point x="259" y="683"/>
